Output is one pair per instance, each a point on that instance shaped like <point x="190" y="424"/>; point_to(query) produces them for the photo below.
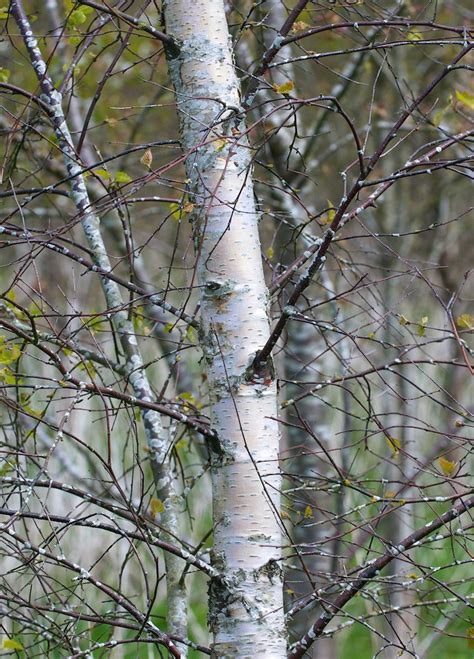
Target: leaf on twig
<point x="147" y="158"/>
<point x="465" y="321"/>
<point x="447" y="466"/>
<point x="465" y="98"/>
<point x="285" y="87"/>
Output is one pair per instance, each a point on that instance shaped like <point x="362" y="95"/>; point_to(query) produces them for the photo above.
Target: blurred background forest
<point x="374" y="372"/>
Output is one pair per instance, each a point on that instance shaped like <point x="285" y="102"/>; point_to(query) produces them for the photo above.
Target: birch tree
<point x="236" y="328"/>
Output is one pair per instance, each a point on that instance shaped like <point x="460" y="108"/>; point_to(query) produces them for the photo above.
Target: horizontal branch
<point x="167" y="39"/>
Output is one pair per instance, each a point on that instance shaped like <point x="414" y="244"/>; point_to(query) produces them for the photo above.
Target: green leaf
<point x="9" y="352"/>
<point x="77" y="17"/>
<point x="191" y="335"/>
<point x="465" y="98"/>
<point x="122" y="177"/>
<point x="11" y="644"/>
<point x="422" y="326"/>
<point x="414" y="36"/>
<point x="4" y="73"/>
<point x="102" y="172"/>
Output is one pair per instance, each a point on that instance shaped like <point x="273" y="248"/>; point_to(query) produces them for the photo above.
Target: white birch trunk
<point x="158" y="439"/>
<point x="247" y="616"/>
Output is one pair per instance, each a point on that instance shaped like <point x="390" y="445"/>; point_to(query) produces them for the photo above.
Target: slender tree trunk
<point x="246" y="614"/>
<point x="157" y="438"/>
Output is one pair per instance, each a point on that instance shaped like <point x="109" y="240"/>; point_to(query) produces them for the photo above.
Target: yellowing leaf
<point x="422" y="326"/>
<point x="403" y="320"/>
<point x="447" y="466"/>
<point x="9" y="352"/>
<point x="465" y="321"/>
<point x="147" y="158"/>
<point x="11" y="644"/>
<point x="470" y="637"/>
<point x="284" y="88"/>
<point x="414" y="36"/>
<point x="219" y="144"/>
<point x="191" y="334"/>
<point x="4" y="73"/>
<point x="298" y="26"/>
<point x="270" y="252"/>
<point x="393" y="444"/>
<point x="156" y="506"/>
<point x="465" y="98"/>
<point x="175" y="211"/>
<point x="308" y="512"/>
<point x="329" y="216"/>
<point x="188" y="207"/>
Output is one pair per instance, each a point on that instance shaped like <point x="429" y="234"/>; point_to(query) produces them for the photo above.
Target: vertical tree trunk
<point x="246" y="616"/>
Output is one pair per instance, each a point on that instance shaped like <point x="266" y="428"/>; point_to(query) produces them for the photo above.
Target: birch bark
<point x="246" y="616"/>
<point x="158" y="439"/>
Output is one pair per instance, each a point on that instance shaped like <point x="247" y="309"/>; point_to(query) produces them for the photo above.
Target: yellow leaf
<point x="147" y="158"/>
<point x="308" y="512"/>
<point x="270" y="252"/>
<point x="156" y="506"/>
<point x="414" y="36"/>
<point x="403" y="320"/>
<point x="465" y="321"/>
<point x="465" y="98"/>
<point x="9" y="352"/>
<point x="11" y="644"/>
<point x="413" y="575"/>
<point x="422" y="326"/>
<point x="284" y="88"/>
<point x="328" y="217"/>
<point x="393" y="444"/>
<point x="219" y="144"/>
<point x="470" y="637"/>
<point x="175" y="211"/>
<point x="298" y="26"/>
<point x="188" y="207"/>
<point x="447" y="466"/>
